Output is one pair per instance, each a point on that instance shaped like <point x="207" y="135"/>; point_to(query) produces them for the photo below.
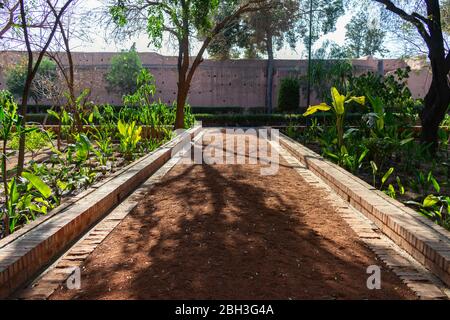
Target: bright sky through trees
<point x="99" y="44"/>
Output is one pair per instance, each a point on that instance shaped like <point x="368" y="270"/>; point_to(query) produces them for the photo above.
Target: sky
<point x="99" y="44"/>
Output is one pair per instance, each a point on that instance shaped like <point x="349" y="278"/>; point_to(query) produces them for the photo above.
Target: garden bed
<point x="427" y="242"/>
<point x="26" y="252"/>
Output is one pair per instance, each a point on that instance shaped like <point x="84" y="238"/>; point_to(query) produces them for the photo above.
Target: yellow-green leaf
<point x="430" y="201"/>
<point x="338" y="101"/>
<point x="313" y="109"/>
<point x="359" y="100"/>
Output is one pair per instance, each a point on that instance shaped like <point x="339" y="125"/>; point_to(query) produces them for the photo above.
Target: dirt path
<point x="226" y="232"/>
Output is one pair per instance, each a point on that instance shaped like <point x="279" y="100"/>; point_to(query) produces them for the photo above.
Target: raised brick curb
<point x="424" y="284"/>
<point x="427" y="242"/>
<point x="35" y="248"/>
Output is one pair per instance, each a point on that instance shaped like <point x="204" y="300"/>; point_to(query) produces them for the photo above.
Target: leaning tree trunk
<point x="270" y="69"/>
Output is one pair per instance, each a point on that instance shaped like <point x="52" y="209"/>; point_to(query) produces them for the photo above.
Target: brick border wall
<point x="32" y="250"/>
<point x="427" y="242"/>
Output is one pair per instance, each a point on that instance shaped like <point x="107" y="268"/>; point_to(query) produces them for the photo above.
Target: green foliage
<point x="144" y="91"/>
<point x="27" y="198"/>
<point x="35" y="140"/>
<point x="339" y="107"/>
<point x="436" y="208"/>
<point x="382" y="147"/>
<point x="106" y="138"/>
<point x="9" y="119"/>
<point x="129" y="135"/>
<point x="289" y="95"/>
<point x="257" y="31"/>
<point x="164" y="15"/>
<point x="122" y="73"/>
<point x="392" y="90"/>
<point x="16" y="77"/>
<point x="324" y="17"/>
<point x="363" y="36"/>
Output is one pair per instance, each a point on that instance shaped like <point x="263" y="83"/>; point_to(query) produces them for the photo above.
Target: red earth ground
<point x="226" y="232"/>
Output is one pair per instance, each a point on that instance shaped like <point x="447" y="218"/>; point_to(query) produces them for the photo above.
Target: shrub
<point x="124" y="69"/>
<point x="17" y="75"/>
<point x="289" y="95"/>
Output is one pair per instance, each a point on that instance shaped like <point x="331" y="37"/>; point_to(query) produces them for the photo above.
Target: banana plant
<point x="338" y="108"/>
<point x="129" y="135"/>
<point x="27" y="197"/>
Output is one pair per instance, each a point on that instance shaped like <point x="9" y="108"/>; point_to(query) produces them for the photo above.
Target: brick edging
<point x="426" y="242"/>
<point x="22" y="258"/>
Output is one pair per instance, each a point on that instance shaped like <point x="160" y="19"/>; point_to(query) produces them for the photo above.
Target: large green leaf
<point x="40" y="185"/>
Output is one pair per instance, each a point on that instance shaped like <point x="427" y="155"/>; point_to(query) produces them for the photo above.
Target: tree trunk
<point x="183" y="82"/>
<point x="436" y="102"/>
<point x="183" y="91"/>
<point x="437" y="99"/>
<point x="270" y="70"/>
<point x="23" y="113"/>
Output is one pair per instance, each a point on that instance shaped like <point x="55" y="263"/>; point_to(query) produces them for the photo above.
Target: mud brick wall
<point x="233" y="83"/>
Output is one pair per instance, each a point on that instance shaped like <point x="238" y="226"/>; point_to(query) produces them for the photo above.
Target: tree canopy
<point x="364" y="36"/>
<point x="123" y="71"/>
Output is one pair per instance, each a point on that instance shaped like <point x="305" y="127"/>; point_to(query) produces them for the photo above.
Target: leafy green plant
<point x="26" y="199"/>
<point x="423" y="182"/>
<point x="9" y="119"/>
<point x="145" y="84"/>
<point x="65" y="124"/>
<point x="326" y="73"/>
<point x="435" y="208"/>
<point x="289" y="95"/>
<point x="129" y="135"/>
<point x="338" y="107"/>
<point x="392" y="89"/>
<point x="79" y="151"/>
<point x="349" y="160"/>
<point x="376" y="118"/>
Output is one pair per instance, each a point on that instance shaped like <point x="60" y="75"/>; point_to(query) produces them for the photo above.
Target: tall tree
<point x="364" y="36"/>
<point x="425" y="16"/>
<point x="36" y="27"/>
<point x="123" y="71"/>
<point x="183" y="20"/>
<point x="266" y="31"/>
<point x="324" y="16"/>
